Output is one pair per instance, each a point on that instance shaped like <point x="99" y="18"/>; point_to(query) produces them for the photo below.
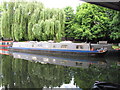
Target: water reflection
<point x="4" y="51"/>
<point x="22" y="70"/>
<point x="69" y="61"/>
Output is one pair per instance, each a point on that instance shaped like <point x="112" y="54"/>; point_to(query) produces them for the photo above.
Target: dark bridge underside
<point x="115" y="5"/>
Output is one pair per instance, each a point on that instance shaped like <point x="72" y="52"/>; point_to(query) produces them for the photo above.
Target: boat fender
<point x="92" y="49"/>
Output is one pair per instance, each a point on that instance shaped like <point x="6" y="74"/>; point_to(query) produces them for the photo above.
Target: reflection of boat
<point x="105" y="86"/>
<point x="65" y="47"/>
<point x="54" y="60"/>
<point x="4" y="51"/>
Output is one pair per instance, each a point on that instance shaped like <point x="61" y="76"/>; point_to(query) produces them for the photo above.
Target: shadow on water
<point x="25" y="70"/>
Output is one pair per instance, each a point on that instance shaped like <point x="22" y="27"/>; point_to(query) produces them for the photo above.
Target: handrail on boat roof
<point x="6" y="41"/>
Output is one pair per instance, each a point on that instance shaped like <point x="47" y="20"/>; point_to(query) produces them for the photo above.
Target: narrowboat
<point x="4" y="47"/>
<point x="5" y="44"/>
<point x="50" y="47"/>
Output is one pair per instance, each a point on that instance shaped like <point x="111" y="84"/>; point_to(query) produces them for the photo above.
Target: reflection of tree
<point x="24" y="74"/>
<point x="20" y="72"/>
<point x="49" y="75"/>
<point x="7" y="71"/>
<point x="85" y="78"/>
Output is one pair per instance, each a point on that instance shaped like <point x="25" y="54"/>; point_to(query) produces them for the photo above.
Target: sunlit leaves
<point x="115" y="24"/>
<point x="69" y="21"/>
<point x="94" y="22"/>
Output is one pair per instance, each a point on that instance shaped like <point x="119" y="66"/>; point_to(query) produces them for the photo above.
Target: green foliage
<point x="58" y="30"/>
<point x="31" y="21"/>
<point x="92" y="22"/>
<point x="1" y="10"/>
<point x="30" y="32"/>
<point x="115" y="47"/>
<point x="115" y="24"/>
<point x="69" y="21"/>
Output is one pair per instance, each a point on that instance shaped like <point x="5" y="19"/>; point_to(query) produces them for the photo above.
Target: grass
<point x="115" y="47"/>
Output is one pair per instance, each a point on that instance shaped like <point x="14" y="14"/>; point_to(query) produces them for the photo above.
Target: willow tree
<point x="58" y="30"/>
<point x="32" y="21"/>
<point x="4" y="25"/>
<point x="10" y="16"/>
<point x="0" y="20"/>
<point x="20" y="32"/>
<point x="47" y="13"/>
<point x="52" y="29"/>
<point x="30" y="7"/>
<point x="47" y="28"/>
<point x="17" y="24"/>
<point x="7" y="19"/>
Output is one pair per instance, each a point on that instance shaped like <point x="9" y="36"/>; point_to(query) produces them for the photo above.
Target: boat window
<point x="54" y="46"/>
<point x="97" y="48"/>
<point x="64" y="46"/>
<point x="105" y="47"/>
<point x="79" y="63"/>
<point x="6" y="43"/>
<point x="40" y="45"/>
<point x="79" y="47"/>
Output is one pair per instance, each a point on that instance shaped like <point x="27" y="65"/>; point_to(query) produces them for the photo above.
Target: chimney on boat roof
<point x="66" y="42"/>
<point x="102" y="42"/>
<point x="51" y="41"/>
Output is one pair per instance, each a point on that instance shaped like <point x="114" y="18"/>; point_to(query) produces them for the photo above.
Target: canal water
<point x="26" y="70"/>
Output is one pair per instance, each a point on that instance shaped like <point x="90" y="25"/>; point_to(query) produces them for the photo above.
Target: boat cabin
<point x="104" y="46"/>
<point x="5" y="44"/>
<point x="52" y="45"/>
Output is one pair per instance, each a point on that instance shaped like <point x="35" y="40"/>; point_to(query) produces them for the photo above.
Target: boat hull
<point x="57" y="51"/>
